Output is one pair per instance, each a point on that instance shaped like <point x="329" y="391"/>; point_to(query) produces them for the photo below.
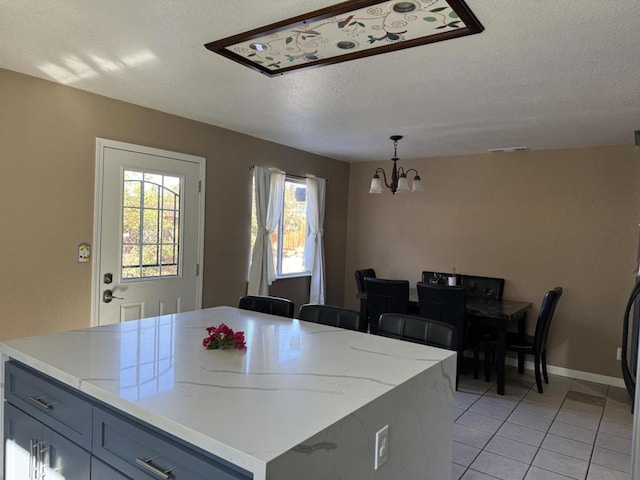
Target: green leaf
<point x="453" y="15"/>
<point x="288" y="40"/>
<point x="454" y="24"/>
<point x="441" y="26"/>
<point x="430" y="19"/>
<point x="251" y="55"/>
<point x="353" y="23"/>
<point x="439" y="9"/>
<point x="361" y="24"/>
<point x="269" y="58"/>
<point x="259" y="61"/>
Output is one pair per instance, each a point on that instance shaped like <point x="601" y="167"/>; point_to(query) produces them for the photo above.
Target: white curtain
<point x="269" y="194"/>
<point x="314" y="249"/>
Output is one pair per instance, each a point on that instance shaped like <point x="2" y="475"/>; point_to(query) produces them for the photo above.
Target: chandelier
<point x="399" y="182"/>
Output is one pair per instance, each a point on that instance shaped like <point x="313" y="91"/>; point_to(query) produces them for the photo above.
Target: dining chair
<point x="417" y="329"/>
<point x="449" y="305"/>
<point x="385" y="296"/>
<point x="362" y="289"/>
<point x="535" y="344"/>
<point x="334" y="316"/>
<point x="283" y="307"/>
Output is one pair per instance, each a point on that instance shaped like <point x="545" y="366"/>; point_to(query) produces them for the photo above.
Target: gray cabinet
<point x="52" y="431"/>
<point x="34" y="451"/>
<point x="53" y="404"/>
<point x="141" y="453"/>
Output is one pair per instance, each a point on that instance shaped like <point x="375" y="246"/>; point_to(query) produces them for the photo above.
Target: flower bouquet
<point x="223" y="337"/>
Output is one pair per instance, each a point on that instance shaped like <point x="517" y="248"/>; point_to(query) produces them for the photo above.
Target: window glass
<point x="150" y="225"/>
<point x="289" y="238"/>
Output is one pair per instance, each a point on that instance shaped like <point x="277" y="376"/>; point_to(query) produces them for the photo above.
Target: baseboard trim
<point x="567" y="372"/>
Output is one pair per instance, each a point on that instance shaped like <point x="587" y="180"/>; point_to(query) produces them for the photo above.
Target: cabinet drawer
<point x="102" y="471"/>
<point x="141" y="453"/>
<point x="50" y="402"/>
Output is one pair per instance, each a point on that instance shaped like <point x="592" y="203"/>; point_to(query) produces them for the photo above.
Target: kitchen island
<point x="304" y="401"/>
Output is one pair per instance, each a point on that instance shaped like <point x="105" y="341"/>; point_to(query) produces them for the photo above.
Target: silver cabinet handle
<point x="43" y="459"/>
<point x="33" y="459"/>
<point x="42" y="403"/>
<point x="146" y="463"/>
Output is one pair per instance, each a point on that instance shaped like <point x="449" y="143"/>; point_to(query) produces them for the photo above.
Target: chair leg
<point x="458" y="365"/>
<point x="537" y="362"/>
<point x="487" y="364"/>
<point x="544" y="366"/>
<point x="520" y="363"/>
<point x="476" y="362"/>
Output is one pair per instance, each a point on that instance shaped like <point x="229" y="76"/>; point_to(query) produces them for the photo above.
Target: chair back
<point x="440" y="278"/>
<point x="361" y="275"/>
<point x="385" y="296"/>
<point x="417" y="329"/>
<point x="283" y="307"/>
<point x="483" y="287"/>
<point x="547" y="309"/>
<point x="447" y="305"/>
<point x="334" y="316"/>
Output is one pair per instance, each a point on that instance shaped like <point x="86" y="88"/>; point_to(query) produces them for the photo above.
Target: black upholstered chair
<point x="362" y="289"/>
<point x="449" y="305"/>
<point x="483" y="287"/>
<point x="282" y="307"/>
<point x="535" y="345"/>
<point x="385" y="296"/>
<point x="417" y="329"/>
<point x="361" y="275"/>
<point x="334" y="316"/>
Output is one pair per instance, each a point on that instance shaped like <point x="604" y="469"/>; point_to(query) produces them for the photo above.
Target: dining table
<point x="499" y="314"/>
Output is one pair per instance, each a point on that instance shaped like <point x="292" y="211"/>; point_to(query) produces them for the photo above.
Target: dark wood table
<point x="496" y="313"/>
<point x="501" y="314"/>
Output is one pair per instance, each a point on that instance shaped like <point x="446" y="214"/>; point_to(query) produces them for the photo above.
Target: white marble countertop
<point x="295" y="379"/>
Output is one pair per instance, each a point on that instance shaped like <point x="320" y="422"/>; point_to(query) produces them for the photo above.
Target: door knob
<point x="108" y="295"/>
<point x="107" y="278"/>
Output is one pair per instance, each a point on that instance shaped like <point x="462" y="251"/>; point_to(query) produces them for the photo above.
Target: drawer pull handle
<point x="42" y="403"/>
<point x="146" y="463"/>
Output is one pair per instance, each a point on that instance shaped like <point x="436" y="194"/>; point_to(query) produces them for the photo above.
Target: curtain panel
<point x="269" y="195"/>
<point x="314" y="248"/>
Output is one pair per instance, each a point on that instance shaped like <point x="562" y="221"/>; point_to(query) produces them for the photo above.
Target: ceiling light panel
<point x="347" y="31"/>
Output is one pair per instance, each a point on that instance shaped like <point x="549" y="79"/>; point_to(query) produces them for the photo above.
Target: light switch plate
<point x="382" y="447"/>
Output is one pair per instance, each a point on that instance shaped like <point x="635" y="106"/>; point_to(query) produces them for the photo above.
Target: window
<point x="288" y="240"/>
<point x="150" y="225"/>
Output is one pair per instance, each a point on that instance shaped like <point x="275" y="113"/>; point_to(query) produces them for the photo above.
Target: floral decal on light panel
<point x="356" y="31"/>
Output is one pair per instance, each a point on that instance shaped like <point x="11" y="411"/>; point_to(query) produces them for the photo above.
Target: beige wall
<point x="538" y="219"/>
<point x="47" y="148"/>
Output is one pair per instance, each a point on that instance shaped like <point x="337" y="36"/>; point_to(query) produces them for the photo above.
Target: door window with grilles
<point x="150" y="225"/>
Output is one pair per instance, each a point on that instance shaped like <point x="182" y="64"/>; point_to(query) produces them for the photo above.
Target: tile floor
<point x="574" y="430"/>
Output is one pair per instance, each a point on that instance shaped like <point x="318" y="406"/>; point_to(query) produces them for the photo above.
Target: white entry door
<point x="148" y="232"/>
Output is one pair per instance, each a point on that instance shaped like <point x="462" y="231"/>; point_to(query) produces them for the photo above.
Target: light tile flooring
<point x="574" y="430"/>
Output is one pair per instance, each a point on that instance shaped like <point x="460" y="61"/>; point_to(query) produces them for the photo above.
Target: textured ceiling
<point x="543" y="74"/>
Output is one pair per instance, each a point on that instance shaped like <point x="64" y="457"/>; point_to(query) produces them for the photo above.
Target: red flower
<point x="223" y="337"/>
